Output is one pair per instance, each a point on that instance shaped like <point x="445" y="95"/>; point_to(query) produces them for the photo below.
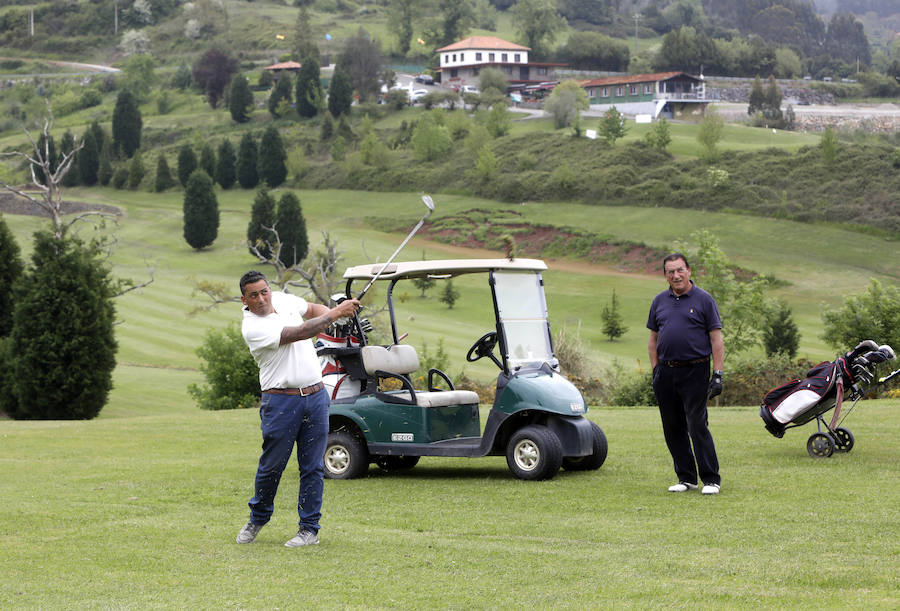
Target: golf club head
<point x="426" y="199"/>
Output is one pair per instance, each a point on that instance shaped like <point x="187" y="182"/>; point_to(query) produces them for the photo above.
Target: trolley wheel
<point x="820" y="445"/>
<point x="843" y="439"/>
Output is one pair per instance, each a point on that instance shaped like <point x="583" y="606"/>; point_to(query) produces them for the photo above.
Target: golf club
<point x="430" y="204"/>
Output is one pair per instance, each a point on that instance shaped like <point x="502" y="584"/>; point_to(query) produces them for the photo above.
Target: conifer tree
<point x="105" y="171"/>
<point x="291" y="228"/>
<point x="88" y="159"/>
<point x="340" y="93"/>
<point x="164" y="178"/>
<point x="47" y="148"/>
<point x="309" y="88"/>
<point x="780" y="334"/>
<point x="449" y="295"/>
<point x="201" y="211"/>
<point x="187" y="163"/>
<point x="757" y="97"/>
<point x="11" y="268"/>
<point x="240" y="99"/>
<point x="207" y="161"/>
<point x="262" y="220"/>
<point x="613" y="326"/>
<point x="272" y="157"/>
<point x="136" y="170"/>
<point x="225" y="167"/>
<point x="126" y="124"/>
<point x="281" y="93"/>
<point x="247" y="162"/>
<point x="67" y="145"/>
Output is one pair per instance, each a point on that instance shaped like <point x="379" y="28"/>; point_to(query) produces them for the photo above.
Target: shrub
<point x="232" y="377"/>
<point x="201" y="211"/>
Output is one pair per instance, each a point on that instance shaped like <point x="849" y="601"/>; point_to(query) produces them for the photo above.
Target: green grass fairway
<point x="139" y="510"/>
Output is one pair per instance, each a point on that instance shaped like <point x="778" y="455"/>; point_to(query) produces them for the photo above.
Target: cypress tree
<point x="66" y="146"/>
<point x="225" y="175"/>
<point x="271" y="168"/>
<point x="99" y="135"/>
<point x="47" y="147"/>
<point x="207" y="159"/>
<point x="340" y="93"/>
<point x="247" y="162"/>
<point x="105" y="172"/>
<point x="613" y="322"/>
<point x="262" y="215"/>
<point x="281" y="92"/>
<point x="291" y="227"/>
<point x="136" y="170"/>
<point x="126" y="124"/>
<point x="88" y="159"/>
<point x="240" y="99"/>
<point x="62" y="340"/>
<point x="309" y="88"/>
<point x="187" y="163"/>
<point x="11" y="268"/>
<point x="201" y="211"/>
<point x="757" y="97"/>
<point x="163" y="175"/>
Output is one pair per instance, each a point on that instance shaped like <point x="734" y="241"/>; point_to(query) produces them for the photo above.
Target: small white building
<point x="462" y="61"/>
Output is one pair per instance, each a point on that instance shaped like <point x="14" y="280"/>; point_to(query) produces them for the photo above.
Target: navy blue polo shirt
<point x="683" y="324"/>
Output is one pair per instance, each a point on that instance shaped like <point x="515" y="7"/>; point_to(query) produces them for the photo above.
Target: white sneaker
<point x="711" y="489"/>
<point x="248" y="532"/>
<point x="682" y="487"/>
<point x="303" y="537"/>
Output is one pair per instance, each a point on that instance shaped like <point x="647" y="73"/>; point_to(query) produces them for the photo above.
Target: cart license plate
<point x="577" y="408"/>
<point x="402" y="437"/>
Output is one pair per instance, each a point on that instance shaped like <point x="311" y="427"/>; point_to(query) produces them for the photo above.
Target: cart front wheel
<point x="843" y="439"/>
<point x="396" y="463"/>
<point x="534" y="453"/>
<point x="595" y="459"/>
<point x="345" y="456"/>
<point x="820" y="445"/>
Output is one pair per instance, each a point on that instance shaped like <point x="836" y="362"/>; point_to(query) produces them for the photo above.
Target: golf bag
<point x="336" y="349"/>
<point x="824" y="388"/>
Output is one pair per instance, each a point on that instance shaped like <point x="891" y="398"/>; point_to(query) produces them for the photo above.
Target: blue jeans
<point x="285" y="420"/>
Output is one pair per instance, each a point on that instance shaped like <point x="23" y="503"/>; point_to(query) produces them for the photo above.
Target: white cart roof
<point x="441" y="268"/>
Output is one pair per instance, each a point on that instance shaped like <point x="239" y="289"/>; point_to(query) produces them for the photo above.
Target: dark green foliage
<point x="182" y="78"/>
<point x="780" y="334"/>
<point x="362" y="61"/>
<point x="225" y="166"/>
<point x="201" y="211"/>
<point x="120" y="177"/>
<point x="340" y="93"/>
<point x="126" y="124"/>
<point x="613" y="321"/>
<point x="873" y="315"/>
<point x="291" y="228"/>
<point x="232" y="376"/>
<point x="757" y="97"/>
<point x="247" y="161"/>
<point x="262" y="220"/>
<point x="105" y="171"/>
<point x="309" y="89"/>
<point x="164" y="178"/>
<point x="46" y="152"/>
<point x="272" y="157"/>
<point x="62" y="342"/>
<point x="212" y="72"/>
<point x="240" y="99"/>
<point x="66" y="146"/>
<point x="207" y="161"/>
<point x="304" y="38"/>
<point x="11" y="268"/>
<point x="88" y="159"/>
<point x="280" y="97"/>
<point x="449" y="295"/>
<point x="187" y="163"/>
<point x="327" y="130"/>
<point x="136" y="170"/>
<point x="595" y="51"/>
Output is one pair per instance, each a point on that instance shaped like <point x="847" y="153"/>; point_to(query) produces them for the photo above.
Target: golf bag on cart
<point x="340" y="341"/>
<point x="824" y="388"/>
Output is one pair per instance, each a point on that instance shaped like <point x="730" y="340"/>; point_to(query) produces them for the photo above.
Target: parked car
<point x="425" y="79"/>
<point x="416" y="95"/>
<point x="468" y="89"/>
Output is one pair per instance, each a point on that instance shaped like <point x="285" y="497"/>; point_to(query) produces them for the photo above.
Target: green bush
<point x="232" y="377"/>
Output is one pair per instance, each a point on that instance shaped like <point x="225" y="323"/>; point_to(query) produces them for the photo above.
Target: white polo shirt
<point x="294" y="365"/>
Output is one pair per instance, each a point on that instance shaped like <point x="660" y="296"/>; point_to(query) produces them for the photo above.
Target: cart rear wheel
<point x="396" y="463"/>
<point x="843" y="439"/>
<point x="345" y="456"/>
<point x="534" y="453"/>
<point x="820" y="445"/>
<point x="596" y="458"/>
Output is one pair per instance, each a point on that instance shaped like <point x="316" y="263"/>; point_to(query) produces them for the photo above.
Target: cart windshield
<point x="522" y="314"/>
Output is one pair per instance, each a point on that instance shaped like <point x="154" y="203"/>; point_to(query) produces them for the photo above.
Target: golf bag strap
<point x="838" y="400"/>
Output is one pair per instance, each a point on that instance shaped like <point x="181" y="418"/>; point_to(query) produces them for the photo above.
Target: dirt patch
<point x="15" y="204"/>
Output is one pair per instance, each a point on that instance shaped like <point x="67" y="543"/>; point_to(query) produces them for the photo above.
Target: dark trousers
<point x="681" y="395"/>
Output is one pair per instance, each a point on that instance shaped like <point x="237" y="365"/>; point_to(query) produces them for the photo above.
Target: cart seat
<point x="443" y="398"/>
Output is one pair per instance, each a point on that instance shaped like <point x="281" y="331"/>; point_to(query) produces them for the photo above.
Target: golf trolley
<point x="376" y="415"/>
<point x="797" y="402"/>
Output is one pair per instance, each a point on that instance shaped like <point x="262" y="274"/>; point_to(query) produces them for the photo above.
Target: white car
<point x="416" y="95"/>
<point x="468" y="89"/>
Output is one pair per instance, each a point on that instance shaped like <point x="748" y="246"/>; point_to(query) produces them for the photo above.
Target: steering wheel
<point x="483" y="347"/>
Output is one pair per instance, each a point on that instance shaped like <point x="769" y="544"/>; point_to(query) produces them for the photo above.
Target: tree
<point x="566" y="103"/>
<point x="362" y="61"/>
<point x="710" y="133"/>
<point x="659" y="136"/>
<point x="231" y="374"/>
<point x="201" y="211"/>
<point x="873" y="315"/>
<point x="136" y="170"/>
<point x="780" y="334"/>
<point x="430" y="140"/>
<point x="240" y="99"/>
<point x="449" y="295"/>
<point x="595" y="51"/>
<point x="67" y="145"/>
<point x="492" y="78"/>
<point x="400" y="22"/>
<point x="164" y="178"/>
<point x="846" y="39"/>
<point x="105" y="171"/>
<point x="829" y="146"/>
<point x="182" y="78"/>
<point x="138" y="76"/>
<point x="88" y="159"/>
<point x="499" y="121"/>
<point x="613" y="323"/>
<point x="225" y="167"/>
<point x="310" y="98"/>
<point x="62" y="336"/>
<point x="291" y="228"/>
<point x="126" y="124"/>
<point x="537" y="22"/>
<point x="612" y="126"/>
<point x="757" y="97"/>
<point x="772" y="109"/>
<point x="11" y="269"/>
<point x="47" y="148"/>
<point x="280" y="98"/>
<point x="187" y="163"/>
<point x="304" y="40"/>
<point x="212" y="72"/>
<point x="262" y="221"/>
<point x="207" y="161"/>
<point x="272" y="156"/>
<point x="340" y="93"/>
<point x="454" y="19"/>
<point x="247" y="162"/>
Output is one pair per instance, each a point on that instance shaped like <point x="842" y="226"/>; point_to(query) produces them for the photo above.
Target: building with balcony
<point x="662" y="94"/>
<point x="462" y="62"/>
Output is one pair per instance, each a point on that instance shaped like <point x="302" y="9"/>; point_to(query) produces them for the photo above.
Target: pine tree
<point x="240" y="99"/>
<point x="11" y="268"/>
<point x="187" y="163"/>
<point x="88" y="159"/>
<point x="304" y="39"/>
<point x="327" y="130"/>
<point x="225" y="168"/>
<point x="201" y="211"/>
<point x="280" y="96"/>
<point x="757" y="97"/>
<point x="772" y="109"/>
<point x="613" y="326"/>
<point x="47" y="148"/>
<point x="105" y="172"/>
<point x="262" y="215"/>
<point x="62" y="338"/>
<point x="780" y="334"/>
<point x="247" y="162"/>
<point x="449" y="295"/>
<point x="340" y="93"/>
<point x="126" y="124"/>
<point x="309" y="88"/>
<point x="291" y="228"/>
<point x="66" y="145"/>
<point x="207" y="161"/>
<point x="136" y="170"/>
<point x="164" y="178"/>
<point x="271" y="164"/>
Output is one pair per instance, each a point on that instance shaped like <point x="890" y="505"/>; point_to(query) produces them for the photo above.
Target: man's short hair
<point x="674" y="257"/>
<point x="251" y="277"/>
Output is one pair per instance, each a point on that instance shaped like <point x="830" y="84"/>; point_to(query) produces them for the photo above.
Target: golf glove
<point x="715" y="384"/>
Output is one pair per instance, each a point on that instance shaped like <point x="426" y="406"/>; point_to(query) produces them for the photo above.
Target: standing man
<point x="685" y="329"/>
<point x="294" y="408"/>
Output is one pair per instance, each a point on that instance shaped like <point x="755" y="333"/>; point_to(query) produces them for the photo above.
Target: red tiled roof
<point x="633" y="78"/>
<point x="484" y="42"/>
<point x="284" y="66"/>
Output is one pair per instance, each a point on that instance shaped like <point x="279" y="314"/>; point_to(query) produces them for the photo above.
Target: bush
<point x="232" y="377"/>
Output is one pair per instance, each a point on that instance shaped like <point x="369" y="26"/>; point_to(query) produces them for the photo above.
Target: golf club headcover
<point x="887" y="351"/>
<point x="861" y="347"/>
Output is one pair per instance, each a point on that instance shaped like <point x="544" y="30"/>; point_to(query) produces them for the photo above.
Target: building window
<point x="504" y="57"/>
<point x="648" y="88"/>
<point x="462" y="57"/>
<point x="632" y="89"/>
<point x="446" y="58"/>
<point x="517" y="58"/>
<point x="619" y="92"/>
<point x="454" y="57"/>
<point x="542" y="71"/>
<point x="490" y="57"/>
<point x="604" y="93"/>
<point x="478" y="57"/>
<point x="507" y="69"/>
<point x="475" y="71"/>
<point x="454" y="73"/>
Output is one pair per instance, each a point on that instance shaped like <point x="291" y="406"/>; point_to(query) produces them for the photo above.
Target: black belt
<point x="306" y="390"/>
<point x="704" y="359"/>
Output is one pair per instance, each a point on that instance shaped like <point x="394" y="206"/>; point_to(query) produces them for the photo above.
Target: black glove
<point x="715" y="384"/>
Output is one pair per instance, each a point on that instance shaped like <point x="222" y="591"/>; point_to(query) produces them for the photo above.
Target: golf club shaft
<point x="388" y="262"/>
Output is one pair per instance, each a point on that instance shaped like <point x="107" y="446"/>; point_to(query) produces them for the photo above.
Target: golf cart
<point x="538" y="417"/>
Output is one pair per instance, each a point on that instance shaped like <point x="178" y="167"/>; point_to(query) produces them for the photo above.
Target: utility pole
<point x="637" y="18"/>
<point x="116" y="17"/>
